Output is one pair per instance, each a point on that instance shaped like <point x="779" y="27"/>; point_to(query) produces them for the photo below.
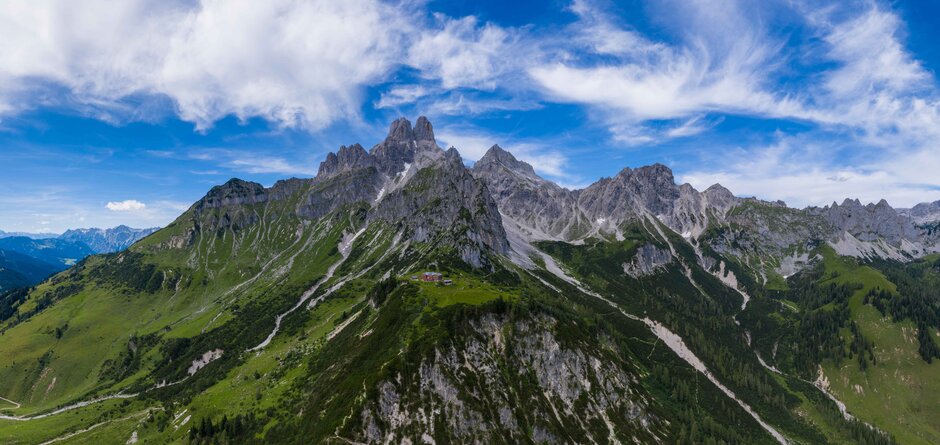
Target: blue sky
<point x="128" y="112"/>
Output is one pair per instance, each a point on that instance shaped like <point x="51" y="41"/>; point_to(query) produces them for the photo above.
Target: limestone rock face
<point x="537" y="209"/>
<point x="630" y="192"/>
<point x="345" y="160"/>
<point x="410" y="182"/>
<point x="869" y="222"/>
<point x="567" y="374"/>
<point x="444" y="199"/>
<point x="647" y="261"/>
<point x="547" y="210"/>
<point x="233" y="193"/>
<point x="406" y="181"/>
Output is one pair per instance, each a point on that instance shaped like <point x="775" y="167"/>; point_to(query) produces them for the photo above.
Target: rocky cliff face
<point x="869" y="222"/>
<point x="546" y="210"/>
<point x="527" y="383"/>
<point x="406" y="181"/>
<point x="442" y="200"/>
<point x="630" y="193"/>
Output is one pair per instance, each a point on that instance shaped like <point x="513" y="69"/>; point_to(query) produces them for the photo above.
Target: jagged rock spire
<point x="400" y="131"/>
<point x="423" y="131"/>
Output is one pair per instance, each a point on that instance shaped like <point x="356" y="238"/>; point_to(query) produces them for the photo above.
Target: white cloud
<point x="294" y="63"/>
<point x="463" y="53"/>
<point x="710" y="70"/>
<point x="130" y="205"/>
<point x="265" y="164"/>
<point x="401" y="95"/>
<point x="864" y="77"/>
<point x="878" y="86"/>
<point x="804" y="172"/>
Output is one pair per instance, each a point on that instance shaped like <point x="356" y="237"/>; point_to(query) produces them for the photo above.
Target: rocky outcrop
<point x="648" y="260"/>
<point x="406" y="146"/>
<point x="235" y="192"/>
<point x="518" y="393"/>
<point x="345" y="160"/>
<point x="406" y="181"/>
<point x="631" y="192"/>
<point x="869" y="222"/>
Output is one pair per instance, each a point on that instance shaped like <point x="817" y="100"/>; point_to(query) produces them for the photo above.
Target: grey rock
<point x="406" y="181"/>
<point x="923" y="213"/>
<point x="648" y="260"/>
<point x="547" y="210"/>
<point x="345" y="160"/>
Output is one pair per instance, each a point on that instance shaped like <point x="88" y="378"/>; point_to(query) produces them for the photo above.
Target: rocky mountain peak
<point x="346" y="159"/>
<point x="452" y="153"/>
<point x="496" y="155"/>
<point x="868" y="222"/>
<point x="423" y="131"/>
<point x="233" y="192"/>
<point x="400" y="130"/>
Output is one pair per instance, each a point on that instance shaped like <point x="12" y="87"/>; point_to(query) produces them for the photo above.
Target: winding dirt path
<point x="11" y="402"/>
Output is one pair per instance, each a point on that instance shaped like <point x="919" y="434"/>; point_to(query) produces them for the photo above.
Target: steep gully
<point x="344" y="248"/>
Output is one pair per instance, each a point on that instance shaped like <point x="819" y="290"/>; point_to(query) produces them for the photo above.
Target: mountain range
<point x="635" y="310"/>
<point x="27" y="258"/>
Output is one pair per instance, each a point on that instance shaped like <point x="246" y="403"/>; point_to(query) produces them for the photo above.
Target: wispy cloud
<point x="808" y="170"/>
<point x="263" y="164"/>
<point x="708" y="70"/>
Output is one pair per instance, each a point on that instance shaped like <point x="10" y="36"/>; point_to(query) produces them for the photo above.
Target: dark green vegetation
<point x="866" y="329"/>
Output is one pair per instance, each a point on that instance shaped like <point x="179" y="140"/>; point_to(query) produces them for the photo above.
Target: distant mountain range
<point x="28" y="235"/>
<point x="28" y="258"/>
<point x="107" y="240"/>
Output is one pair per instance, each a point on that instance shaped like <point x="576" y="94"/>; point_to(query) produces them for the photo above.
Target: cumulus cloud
<point x="293" y="63"/>
<point x="129" y="205"/>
